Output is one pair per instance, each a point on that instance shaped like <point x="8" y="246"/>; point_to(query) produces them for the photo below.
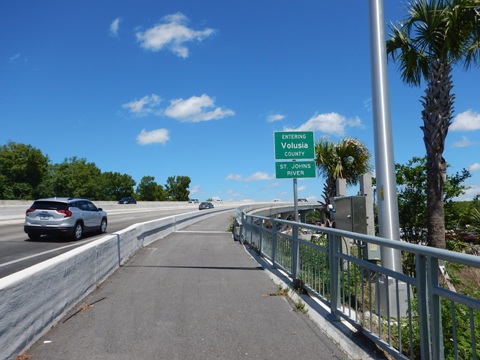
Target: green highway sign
<point x="295" y="169"/>
<point x="294" y="145"/>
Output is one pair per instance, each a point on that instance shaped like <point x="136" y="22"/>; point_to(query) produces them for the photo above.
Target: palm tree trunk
<point x="437" y="117"/>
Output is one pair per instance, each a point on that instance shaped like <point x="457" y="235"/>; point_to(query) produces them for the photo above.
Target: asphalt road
<point x="196" y="294"/>
<point x="18" y="252"/>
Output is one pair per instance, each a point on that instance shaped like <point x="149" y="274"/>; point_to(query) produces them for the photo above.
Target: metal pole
<point x="384" y="162"/>
<point x="295" y="200"/>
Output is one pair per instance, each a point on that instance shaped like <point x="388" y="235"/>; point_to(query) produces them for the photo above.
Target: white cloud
<point x="273" y="185"/>
<point x="465" y="142"/>
<point x="275" y="117"/>
<point x="466" y="121"/>
<point x="474" y="167"/>
<point x="258" y="176"/>
<point x="171" y="33"/>
<point x="367" y="104"/>
<point x="144" y="106"/>
<point x="196" y="109"/>
<point x="331" y="123"/>
<point x="301" y="188"/>
<point x="14" y="57"/>
<point x="470" y="193"/>
<point x="114" y="26"/>
<point x="233" y="194"/>
<point x="194" y="189"/>
<point x="236" y="177"/>
<point x="158" y="136"/>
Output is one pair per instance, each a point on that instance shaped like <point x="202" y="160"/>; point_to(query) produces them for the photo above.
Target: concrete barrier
<point x="34" y="299"/>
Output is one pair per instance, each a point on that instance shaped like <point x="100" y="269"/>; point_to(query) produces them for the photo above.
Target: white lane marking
<point x="42" y="253"/>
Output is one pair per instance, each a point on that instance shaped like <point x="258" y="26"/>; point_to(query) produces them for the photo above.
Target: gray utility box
<point x="351" y="215"/>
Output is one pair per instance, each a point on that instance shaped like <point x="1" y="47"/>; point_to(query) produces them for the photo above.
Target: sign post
<point x="293" y="146"/>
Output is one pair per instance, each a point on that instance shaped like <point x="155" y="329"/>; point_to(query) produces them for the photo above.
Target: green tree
<point x="116" y="186"/>
<point x="23" y="168"/>
<point x="76" y="177"/>
<point x="149" y="190"/>
<point x="177" y="188"/>
<point x="436" y="35"/>
<point x="412" y="195"/>
<point x="161" y="193"/>
<point x="348" y="159"/>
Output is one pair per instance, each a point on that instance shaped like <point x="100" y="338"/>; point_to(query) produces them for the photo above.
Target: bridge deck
<point x="195" y="294"/>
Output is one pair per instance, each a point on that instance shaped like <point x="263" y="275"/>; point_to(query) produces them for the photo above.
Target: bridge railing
<point x="417" y="314"/>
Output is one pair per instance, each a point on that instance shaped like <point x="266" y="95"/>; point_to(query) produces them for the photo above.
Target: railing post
<point x="251" y="229"/>
<point x="422" y="297"/>
<point x="260" y="237"/>
<point x="435" y="312"/>
<point x="334" y="247"/>
<point x="295" y="256"/>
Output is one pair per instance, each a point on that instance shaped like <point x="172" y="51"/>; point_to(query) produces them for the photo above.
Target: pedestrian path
<point x="195" y="294"/>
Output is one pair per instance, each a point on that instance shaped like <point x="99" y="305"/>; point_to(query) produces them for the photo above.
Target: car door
<point x="93" y="215"/>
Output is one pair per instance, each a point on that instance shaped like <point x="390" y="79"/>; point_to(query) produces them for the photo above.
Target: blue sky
<point x="198" y="87"/>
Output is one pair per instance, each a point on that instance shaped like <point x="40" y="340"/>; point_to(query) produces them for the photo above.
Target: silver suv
<point x="64" y="216"/>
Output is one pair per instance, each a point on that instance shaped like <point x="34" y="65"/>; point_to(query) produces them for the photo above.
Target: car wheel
<point x="33" y="236"/>
<point x="103" y="226"/>
<point x="78" y="231"/>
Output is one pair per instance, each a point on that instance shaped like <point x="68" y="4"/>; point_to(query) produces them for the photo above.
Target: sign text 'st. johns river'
<point x="292" y="145"/>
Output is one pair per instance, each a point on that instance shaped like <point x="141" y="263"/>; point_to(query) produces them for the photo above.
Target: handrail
<point x="402" y="313"/>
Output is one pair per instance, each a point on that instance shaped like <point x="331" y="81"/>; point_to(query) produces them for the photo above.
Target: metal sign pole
<point x="295" y="199"/>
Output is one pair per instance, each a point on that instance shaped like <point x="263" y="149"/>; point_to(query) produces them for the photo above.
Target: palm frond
<point x="447" y="31"/>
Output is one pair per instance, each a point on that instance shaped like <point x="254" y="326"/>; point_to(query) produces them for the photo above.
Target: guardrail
<point x="34" y="299"/>
<point x="416" y="315"/>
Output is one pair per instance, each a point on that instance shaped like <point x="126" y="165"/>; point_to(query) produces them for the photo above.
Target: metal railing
<point x="417" y="314"/>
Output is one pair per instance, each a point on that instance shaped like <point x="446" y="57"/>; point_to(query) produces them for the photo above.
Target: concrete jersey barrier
<point x="34" y="299"/>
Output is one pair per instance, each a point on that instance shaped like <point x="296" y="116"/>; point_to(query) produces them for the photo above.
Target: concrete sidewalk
<point x="196" y="294"/>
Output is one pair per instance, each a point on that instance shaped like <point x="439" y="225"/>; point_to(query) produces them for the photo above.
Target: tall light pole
<point x="384" y="161"/>
<point x="385" y="166"/>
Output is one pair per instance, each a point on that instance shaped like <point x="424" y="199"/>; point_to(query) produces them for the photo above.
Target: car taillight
<point x="67" y="213"/>
<point x="29" y="211"/>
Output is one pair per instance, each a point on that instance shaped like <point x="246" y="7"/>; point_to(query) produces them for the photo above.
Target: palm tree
<point x="436" y="35"/>
<point x="347" y="160"/>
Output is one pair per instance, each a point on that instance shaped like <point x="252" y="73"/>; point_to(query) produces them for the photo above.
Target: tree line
<point x="26" y="173"/>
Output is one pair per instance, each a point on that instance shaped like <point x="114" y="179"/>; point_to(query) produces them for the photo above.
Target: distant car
<point x="205" y="205"/>
<point x="302" y="200"/>
<point x="65" y="217"/>
<point x="127" y="200"/>
<point x="193" y="201"/>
